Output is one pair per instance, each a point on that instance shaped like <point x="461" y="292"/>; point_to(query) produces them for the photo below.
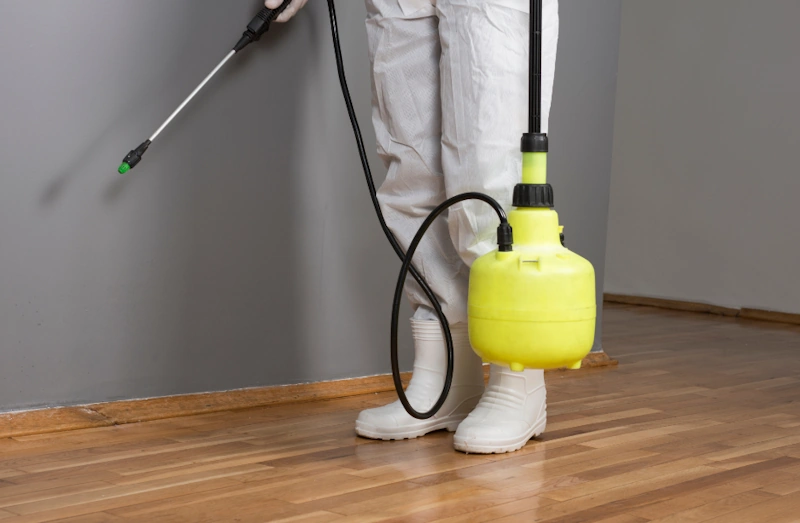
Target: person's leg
<point x="404" y="50"/>
<point x="484" y="76"/>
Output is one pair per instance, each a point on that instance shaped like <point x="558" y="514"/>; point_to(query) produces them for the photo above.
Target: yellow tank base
<point x="532" y="345"/>
<point x="519" y="367"/>
<point x="533" y="307"/>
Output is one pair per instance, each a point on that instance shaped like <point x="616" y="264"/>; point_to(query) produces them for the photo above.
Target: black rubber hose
<point x="437" y="307"/>
<point x="398" y="291"/>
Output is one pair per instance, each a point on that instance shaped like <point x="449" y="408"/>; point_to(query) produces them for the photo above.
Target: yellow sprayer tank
<point x="533" y="307"/>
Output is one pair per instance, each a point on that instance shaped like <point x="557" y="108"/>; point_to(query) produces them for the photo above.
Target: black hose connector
<point x="534" y="143"/>
<point x="504" y="232"/>
<point x="259" y="25"/>
<point x="505" y="237"/>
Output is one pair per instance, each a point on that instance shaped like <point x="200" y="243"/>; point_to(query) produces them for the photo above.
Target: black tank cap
<point x="533" y="195"/>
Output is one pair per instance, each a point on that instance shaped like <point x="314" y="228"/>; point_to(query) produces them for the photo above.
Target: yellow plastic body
<point x="533" y="307"/>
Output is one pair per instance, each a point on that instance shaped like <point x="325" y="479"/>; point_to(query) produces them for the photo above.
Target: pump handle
<point x="259" y="25"/>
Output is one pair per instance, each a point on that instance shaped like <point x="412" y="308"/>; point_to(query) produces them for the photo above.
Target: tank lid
<point x="533" y="195"/>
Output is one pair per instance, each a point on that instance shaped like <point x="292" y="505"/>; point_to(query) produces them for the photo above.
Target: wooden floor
<point x="700" y="422"/>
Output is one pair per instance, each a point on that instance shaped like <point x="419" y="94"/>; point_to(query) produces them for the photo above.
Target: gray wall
<point x="243" y="250"/>
<point x="705" y="185"/>
<point x="581" y="128"/>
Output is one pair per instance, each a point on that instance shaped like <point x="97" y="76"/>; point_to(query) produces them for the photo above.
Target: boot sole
<point x="372" y="432"/>
<point x="449" y="422"/>
<point x="464" y="446"/>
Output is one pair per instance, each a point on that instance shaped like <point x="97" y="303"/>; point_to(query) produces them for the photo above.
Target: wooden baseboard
<point x="670" y="304"/>
<point x="689" y="306"/>
<point x="42" y="421"/>
<point x="58" y="419"/>
<point x="779" y="317"/>
<point x="14" y="424"/>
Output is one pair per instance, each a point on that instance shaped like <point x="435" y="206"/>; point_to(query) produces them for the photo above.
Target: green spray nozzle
<point x="133" y="158"/>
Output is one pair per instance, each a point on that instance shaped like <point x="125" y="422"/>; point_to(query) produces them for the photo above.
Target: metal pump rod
<point x="535" y="72"/>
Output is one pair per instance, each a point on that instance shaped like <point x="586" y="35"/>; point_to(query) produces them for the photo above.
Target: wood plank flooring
<point x="700" y="422"/>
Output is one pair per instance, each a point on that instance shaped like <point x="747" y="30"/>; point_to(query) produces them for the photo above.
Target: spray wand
<point x="255" y="30"/>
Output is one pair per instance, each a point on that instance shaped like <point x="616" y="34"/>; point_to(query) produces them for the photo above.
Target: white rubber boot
<point x="512" y="410"/>
<point x="430" y="366"/>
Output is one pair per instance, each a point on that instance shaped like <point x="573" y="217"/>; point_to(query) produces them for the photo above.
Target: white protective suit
<point x="450" y="104"/>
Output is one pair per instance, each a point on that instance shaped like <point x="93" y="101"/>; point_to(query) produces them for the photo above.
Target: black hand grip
<point x="259" y="25"/>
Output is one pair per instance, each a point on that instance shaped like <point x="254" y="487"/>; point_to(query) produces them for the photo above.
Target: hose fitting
<point x="259" y="25"/>
<point x="505" y="237"/>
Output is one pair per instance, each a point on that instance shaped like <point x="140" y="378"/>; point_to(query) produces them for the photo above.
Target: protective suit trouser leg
<point x="404" y="51"/>
<point x="484" y="93"/>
